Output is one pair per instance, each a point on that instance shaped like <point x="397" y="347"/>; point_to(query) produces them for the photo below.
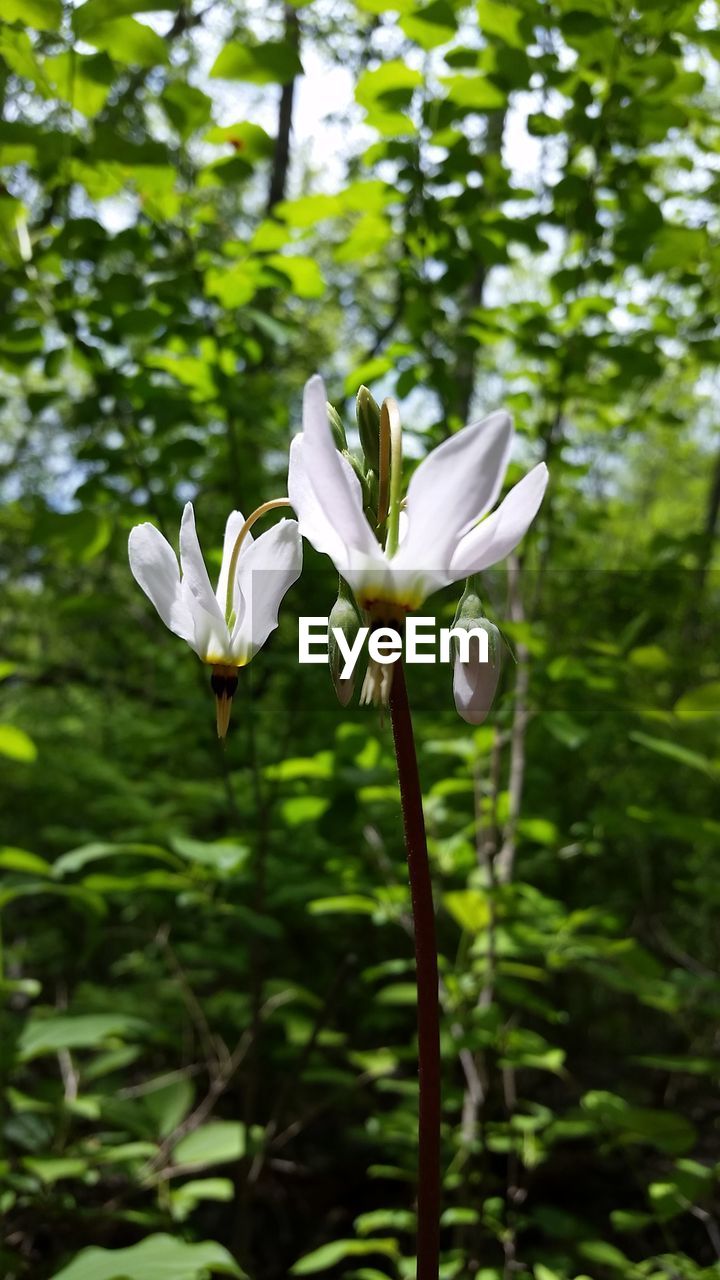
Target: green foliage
<point x="157" y="1258"/>
<point x="207" y="1029"/>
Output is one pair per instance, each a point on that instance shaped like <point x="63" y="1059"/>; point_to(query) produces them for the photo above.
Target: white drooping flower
<point x="227" y="626"/>
<point x="445" y="533"/>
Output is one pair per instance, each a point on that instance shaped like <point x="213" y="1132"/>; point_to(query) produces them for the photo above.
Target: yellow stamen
<point x="262" y="510"/>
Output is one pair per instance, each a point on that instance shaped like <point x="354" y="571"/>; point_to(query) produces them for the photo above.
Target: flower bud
<point x="475" y="682"/>
<point x="345" y="617"/>
<point x="367" y="412"/>
<point x="337" y="428"/>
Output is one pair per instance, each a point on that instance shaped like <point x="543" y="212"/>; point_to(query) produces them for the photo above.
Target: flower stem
<point x="272" y="505"/>
<point x="428" y="1019"/>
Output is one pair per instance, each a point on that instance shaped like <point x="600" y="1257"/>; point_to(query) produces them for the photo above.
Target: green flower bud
<point x="337" y="428"/>
<point x="345" y="617"/>
<point x="367" y="412"/>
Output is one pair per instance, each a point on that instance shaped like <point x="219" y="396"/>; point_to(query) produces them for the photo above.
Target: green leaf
<point x="21" y="860"/>
<point x="274" y="62"/>
<point x="469" y="907"/>
<point x="77" y="859"/>
<point x="306" y="211"/>
<point x="168" y="1104"/>
<point x="540" y="830"/>
<point x="187" y="108"/>
<point x="79" y="536"/>
<point x="398" y="993"/>
<point x="16" y="744"/>
<point x="247" y="139"/>
<point x="430" y="26"/>
<point x="43" y="15"/>
<point x="84" y="82"/>
<point x="233" y="286"/>
<point x="503" y="21"/>
<point x="368" y="238"/>
<point x="74" y="895"/>
<point x="605" y="1254"/>
<point x="299" y="809"/>
<point x="158" y="1257"/>
<point x="675" y="751"/>
<point x="565" y="729"/>
<point x="679" y="1063"/>
<point x="216" y="1142"/>
<point x="294" y="767"/>
<point x="224" y="856"/>
<point x="385" y="6"/>
<point x="702" y="703"/>
<point x="393" y="80"/>
<point x="385" y="1220"/>
<point x="474" y="92"/>
<point x="96" y="12"/>
<point x="665" y="1130"/>
<point x="132" y="43"/>
<point x="81" y="1031"/>
<point x="304" y="274"/>
<point x="51" y="1169"/>
<point x="16" y="49"/>
<point x="348" y="904"/>
<point x="185" y="1199"/>
<point x="328" y="1255"/>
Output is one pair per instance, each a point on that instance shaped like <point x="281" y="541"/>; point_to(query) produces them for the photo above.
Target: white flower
<point x="444" y="538"/>
<point x="225" y="627"/>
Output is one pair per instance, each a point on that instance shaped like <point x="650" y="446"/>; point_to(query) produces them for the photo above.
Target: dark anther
<point x="223" y="686"/>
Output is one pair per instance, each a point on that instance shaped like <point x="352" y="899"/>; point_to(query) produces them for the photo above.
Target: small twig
<point x="218" y="1084"/>
<point x="505" y="861"/>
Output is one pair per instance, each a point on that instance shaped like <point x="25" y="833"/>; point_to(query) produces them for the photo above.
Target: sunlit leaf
<point x="16" y="744"/>
<point x="158" y="1257"/>
<point x="271" y="63"/>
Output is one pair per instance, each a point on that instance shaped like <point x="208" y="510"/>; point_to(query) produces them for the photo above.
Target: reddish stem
<point x="428" y="1018"/>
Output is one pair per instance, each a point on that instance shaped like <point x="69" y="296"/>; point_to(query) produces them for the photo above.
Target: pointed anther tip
<point x="223" y="682"/>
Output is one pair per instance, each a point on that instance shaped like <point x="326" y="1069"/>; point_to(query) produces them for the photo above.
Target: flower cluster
<point x="392" y="550"/>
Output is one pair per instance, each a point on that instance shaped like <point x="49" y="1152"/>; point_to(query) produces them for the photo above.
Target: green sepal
<point x="367" y="412"/>
<point x="337" y="428"/>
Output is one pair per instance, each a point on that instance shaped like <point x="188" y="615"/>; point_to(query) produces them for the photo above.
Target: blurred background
<point x="207" y="1036"/>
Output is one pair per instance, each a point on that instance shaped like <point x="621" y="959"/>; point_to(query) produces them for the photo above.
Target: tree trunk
<point x="281" y="159"/>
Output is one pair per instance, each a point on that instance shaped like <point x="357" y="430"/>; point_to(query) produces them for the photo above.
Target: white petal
<point x="497" y="536"/>
<point x="266" y="570"/>
<point x="454" y="486"/>
<point x="155" y="568"/>
<point x="235" y="522"/>
<point x="312" y="517"/>
<point x="195" y="575"/>
<point x="474" y="686"/>
<point x="333" y="480"/>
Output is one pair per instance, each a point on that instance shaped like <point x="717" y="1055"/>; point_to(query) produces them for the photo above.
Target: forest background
<point x="207" y="1034"/>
